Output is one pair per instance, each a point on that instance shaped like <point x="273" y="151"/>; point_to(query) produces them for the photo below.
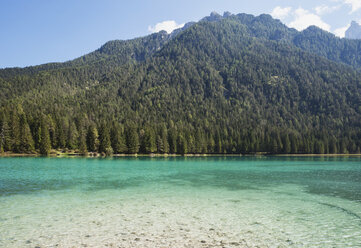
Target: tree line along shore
<point x="42" y="134"/>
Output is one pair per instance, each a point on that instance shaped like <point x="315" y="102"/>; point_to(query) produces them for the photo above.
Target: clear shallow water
<point x="180" y="202"/>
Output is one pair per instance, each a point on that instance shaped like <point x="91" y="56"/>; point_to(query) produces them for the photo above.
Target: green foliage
<point x="148" y="141"/>
<point x="109" y="151"/>
<point x="92" y="139"/>
<point x="104" y="139"/>
<point x="117" y="139"/>
<point x="25" y="142"/>
<point x="82" y="144"/>
<point x="5" y="136"/>
<point x="240" y="84"/>
<point x="73" y="136"/>
<point x="44" y="143"/>
<point x="132" y="138"/>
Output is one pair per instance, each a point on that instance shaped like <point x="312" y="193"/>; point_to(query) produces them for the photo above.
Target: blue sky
<point x="34" y="32"/>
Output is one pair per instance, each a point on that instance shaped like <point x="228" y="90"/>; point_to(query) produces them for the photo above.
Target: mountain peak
<point x="354" y="31"/>
<point x="227" y="14"/>
<point x="214" y="16"/>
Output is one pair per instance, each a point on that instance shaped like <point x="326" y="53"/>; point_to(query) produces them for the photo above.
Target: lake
<point x="181" y="202"/>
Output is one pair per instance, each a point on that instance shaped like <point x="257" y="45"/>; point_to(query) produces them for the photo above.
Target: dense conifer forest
<point x="231" y="84"/>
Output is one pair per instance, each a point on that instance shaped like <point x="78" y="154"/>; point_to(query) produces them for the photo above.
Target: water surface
<point x="180" y="202"/>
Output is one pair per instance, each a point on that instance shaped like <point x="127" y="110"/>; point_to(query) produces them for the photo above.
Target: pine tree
<point x="132" y="138"/>
<point x="149" y="140"/>
<point x="319" y="147"/>
<point x="117" y="139"/>
<point x="92" y="139"/>
<point x="61" y="131"/>
<point x="52" y="132"/>
<point x="73" y="136"/>
<point x="286" y="144"/>
<point x="294" y="144"/>
<point x="218" y="143"/>
<point x="2" y="135"/>
<point x="172" y="137"/>
<point x="199" y="142"/>
<point x="82" y="146"/>
<point x="26" y="140"/>
<point x="15" y="131"/>
<point x="45" y="143"/>
<point x="160" y="145"/>
<point x="212" y="144"/>
<point x="190" y="142"/>
<point x="82" y="143"/>
<point x="5" y="139"/>
<point x="182" y="145"/>
<point x="333" y="145"/>
<point x="164" y="137"/>
<point x="104" y="139"/>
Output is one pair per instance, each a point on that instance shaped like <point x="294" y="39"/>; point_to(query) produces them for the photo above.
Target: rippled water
<point x="180" y="202"/>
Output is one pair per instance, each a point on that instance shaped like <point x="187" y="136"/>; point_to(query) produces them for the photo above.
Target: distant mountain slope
<point x="113" y="53"/>
<point x="227" y="84"/>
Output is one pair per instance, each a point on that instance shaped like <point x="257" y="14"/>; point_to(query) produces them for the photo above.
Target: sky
<point x="35" y="32"/>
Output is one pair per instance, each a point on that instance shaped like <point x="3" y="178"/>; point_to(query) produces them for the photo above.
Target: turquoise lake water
<point x="181" y="202"/>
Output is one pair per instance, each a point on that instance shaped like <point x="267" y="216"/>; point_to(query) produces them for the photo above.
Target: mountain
<point x="354" y="31"/>
<point x="226" y="84"/>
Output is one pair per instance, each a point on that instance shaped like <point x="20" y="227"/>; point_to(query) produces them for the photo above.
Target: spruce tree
<point x="172" y="138"/>
<point x="5" y="140"/>
<point x="182" y="145"/>
<point x="164" y="137"/>
<point x="82" y="143"/>
<point x="132" y="140"/>
<point x="73" y="136"/>
<point x="286" y="144"/>
<point x="118" y="139"/>
<point x="26" y="140"/>
<point x="218" y="143"/>
<point x="104" y="139"/>
<point x="52" y="131"/>
<point x="149" y="141"/>
<point x="15" y="131"/>
<point x="45" y="143"/>
<point x="160" y="145"/>
<point x="61" y="132"/>
<point x="92" y="139"/>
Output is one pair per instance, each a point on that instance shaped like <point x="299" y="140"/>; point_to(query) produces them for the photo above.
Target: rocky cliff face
<point x="354" y="32"/>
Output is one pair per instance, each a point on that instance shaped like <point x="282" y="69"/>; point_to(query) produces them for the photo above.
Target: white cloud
<point x="281" y="13"/>
<point x="355" y="4"/>
<point x="168" y="26"/>
<point x="340" y="32"/>
<point x="325" y="9"/>
<point x="304" y="18"/>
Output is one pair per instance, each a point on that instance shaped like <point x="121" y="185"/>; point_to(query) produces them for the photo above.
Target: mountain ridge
<point x="282" y="33"/>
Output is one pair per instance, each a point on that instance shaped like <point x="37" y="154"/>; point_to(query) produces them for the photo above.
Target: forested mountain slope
<point x="227" y="84"/>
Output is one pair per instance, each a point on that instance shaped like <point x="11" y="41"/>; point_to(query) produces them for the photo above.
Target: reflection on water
<point x="333" y="176"/>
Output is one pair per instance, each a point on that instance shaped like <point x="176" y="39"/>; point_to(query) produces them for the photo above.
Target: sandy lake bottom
<point x="180" y="202"/>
